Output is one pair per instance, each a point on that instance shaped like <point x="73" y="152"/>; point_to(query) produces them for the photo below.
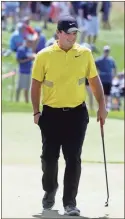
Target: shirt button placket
<point x="66" y="61"/>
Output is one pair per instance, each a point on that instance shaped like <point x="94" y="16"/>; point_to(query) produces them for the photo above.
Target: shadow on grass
<point x="55" y="214"/>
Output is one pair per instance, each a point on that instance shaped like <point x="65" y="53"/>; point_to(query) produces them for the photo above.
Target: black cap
<point x="68" y="24"/>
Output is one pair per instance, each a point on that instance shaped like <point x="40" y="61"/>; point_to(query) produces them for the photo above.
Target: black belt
<point x="65" y="108"/>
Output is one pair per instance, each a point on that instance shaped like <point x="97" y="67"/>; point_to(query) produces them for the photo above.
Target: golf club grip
<point x="101" y="127"/>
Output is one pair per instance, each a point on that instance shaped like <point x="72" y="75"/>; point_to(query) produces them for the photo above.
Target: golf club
<point x="102" y="135"/>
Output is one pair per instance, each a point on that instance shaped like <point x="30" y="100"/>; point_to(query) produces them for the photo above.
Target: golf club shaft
<point x="102" y="135"/>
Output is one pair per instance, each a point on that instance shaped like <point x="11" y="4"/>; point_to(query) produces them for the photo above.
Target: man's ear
<point x="58" y="31"/>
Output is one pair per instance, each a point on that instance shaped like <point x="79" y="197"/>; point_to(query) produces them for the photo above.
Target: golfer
<point x="58" y="78"/>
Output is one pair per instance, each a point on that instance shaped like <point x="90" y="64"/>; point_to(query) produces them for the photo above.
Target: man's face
<point x="68" y="39"/>
<point x="29" y="43"/>
<point x="106" y="52"/>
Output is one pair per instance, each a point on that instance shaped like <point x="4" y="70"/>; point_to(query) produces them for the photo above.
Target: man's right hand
<point x="101" y="115"/>
<point x="32" y="57"/>
<point x="36" y="118"/>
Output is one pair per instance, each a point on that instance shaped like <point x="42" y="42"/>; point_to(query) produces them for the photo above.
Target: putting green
<point x="21" y="140"/>
<point x="21" y="197"/>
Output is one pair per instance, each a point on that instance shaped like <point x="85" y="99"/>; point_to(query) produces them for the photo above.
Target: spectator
<point x="30" y="30"/>
<point x="64" y="8"/>
<point x="107" y="69"/>
<point x="25" y="57"/>
<point x="34" y="10"/>
<point x="41" y="40"/>
<point x="45" y="12"/>
<point x="59" y="9"/>
<point x="12" y="10"/>
<point x="93" y="22"/>
<point x="121" y="77"/>
<point x="82" y="20"/>
<point x="54" y="12"/>
<point x="106" y="9"/>
<point x="17" y="37"/>
<point x="117" y="91"/>
<point x="115" y="103"/>
<point x="74" y="8"/>
<point x="26" y="20"/>
<point x="24" y="9"/>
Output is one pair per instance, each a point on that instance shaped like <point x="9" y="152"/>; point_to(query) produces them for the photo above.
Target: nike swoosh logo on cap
<point x="71" y="23"/>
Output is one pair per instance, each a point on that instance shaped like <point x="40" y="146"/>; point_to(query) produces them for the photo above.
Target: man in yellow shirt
<point x="58" y="77"/>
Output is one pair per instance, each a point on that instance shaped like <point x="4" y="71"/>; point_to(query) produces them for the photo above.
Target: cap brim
<point x="73" y="29"/>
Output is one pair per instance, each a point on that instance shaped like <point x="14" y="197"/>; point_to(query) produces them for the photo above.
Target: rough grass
<point x="22" y="107"/>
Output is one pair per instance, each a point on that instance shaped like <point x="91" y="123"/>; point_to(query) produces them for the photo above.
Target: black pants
<point x="66" y="129"/>
<point x="107" y="88"/>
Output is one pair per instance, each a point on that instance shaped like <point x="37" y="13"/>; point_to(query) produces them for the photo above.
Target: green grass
<point x="21" y="140"/>
<point x="115" y="38"/>
<point x="23" y="107"/>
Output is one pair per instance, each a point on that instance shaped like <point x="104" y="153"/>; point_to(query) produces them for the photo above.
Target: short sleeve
<point x="113" y="63"/>
<point x="38" y="71"/>
<point x="92" y="71"/>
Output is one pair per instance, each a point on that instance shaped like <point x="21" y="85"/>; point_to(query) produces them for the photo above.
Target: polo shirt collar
<point x="57" y="48"/>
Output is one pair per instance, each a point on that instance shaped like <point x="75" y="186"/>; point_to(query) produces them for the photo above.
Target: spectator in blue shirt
<point x="41" y="42"/>
<point x="17" y="37"/>
<point x="25" y="57"/>
<point x="107" y="69"/>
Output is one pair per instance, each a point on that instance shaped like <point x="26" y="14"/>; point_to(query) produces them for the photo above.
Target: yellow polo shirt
<point x="63" y="74"/>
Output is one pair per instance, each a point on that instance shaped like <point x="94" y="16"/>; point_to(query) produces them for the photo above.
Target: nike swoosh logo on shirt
<point x="77" y="56"/>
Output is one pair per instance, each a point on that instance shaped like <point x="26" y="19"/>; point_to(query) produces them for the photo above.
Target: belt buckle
<point x="65" y="109"/>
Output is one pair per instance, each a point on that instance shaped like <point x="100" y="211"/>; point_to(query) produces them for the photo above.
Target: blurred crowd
<point x="26" y="41"/>
<point x="51" y="11"/>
